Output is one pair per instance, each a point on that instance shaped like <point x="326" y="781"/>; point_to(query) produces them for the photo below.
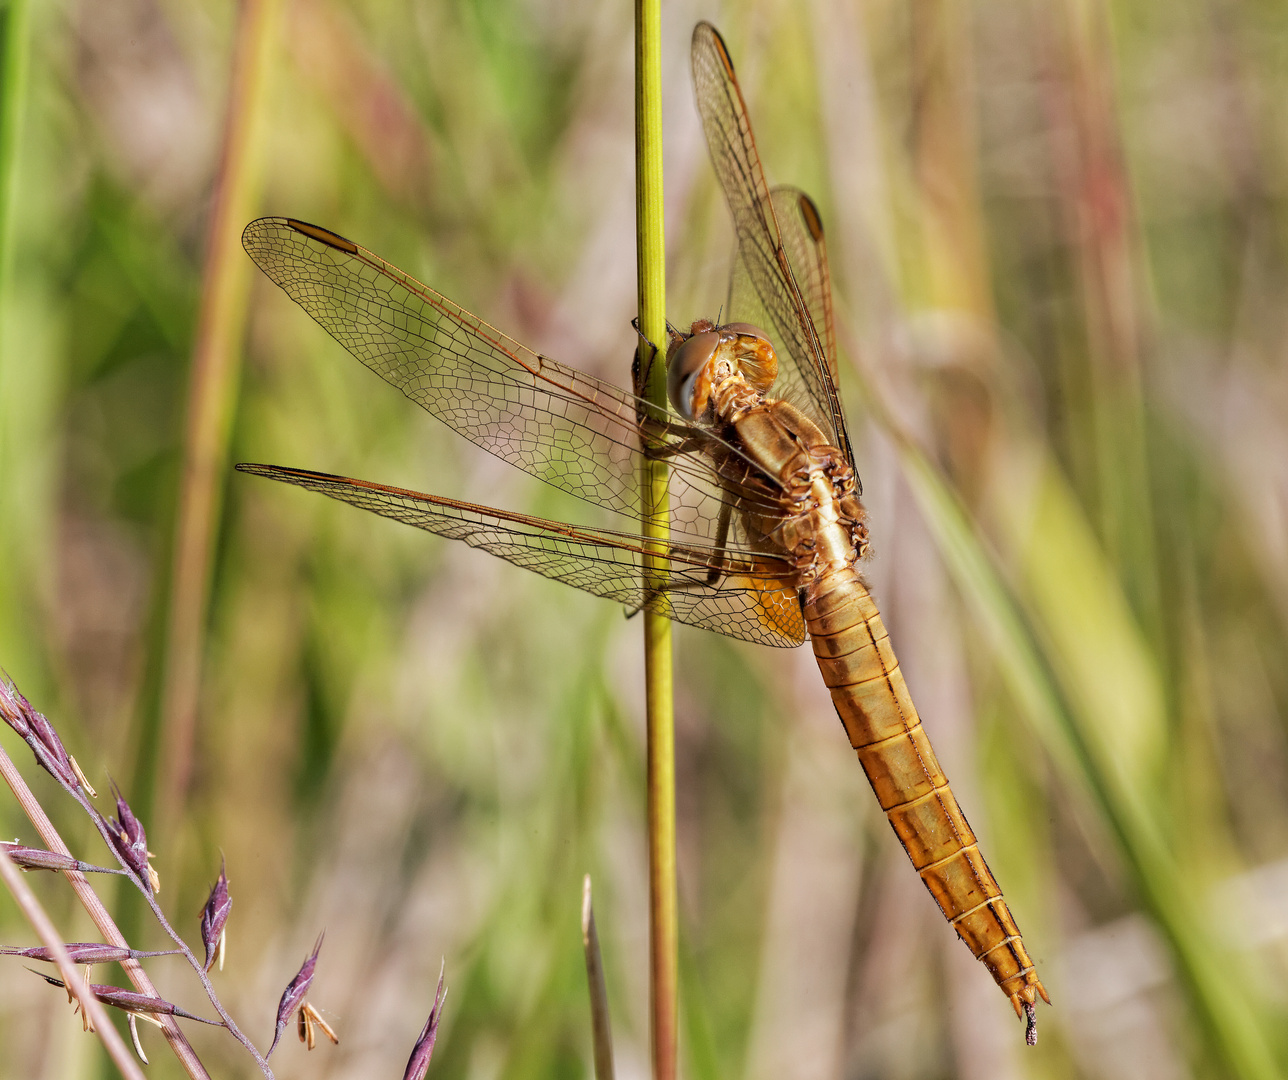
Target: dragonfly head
<point x="698" y="361"/>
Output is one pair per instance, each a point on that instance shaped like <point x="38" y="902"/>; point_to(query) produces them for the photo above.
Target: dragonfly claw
<point x="635" y="324"/>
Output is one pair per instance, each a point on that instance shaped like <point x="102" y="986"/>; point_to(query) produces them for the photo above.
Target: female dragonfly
<point x="766" y="530"/>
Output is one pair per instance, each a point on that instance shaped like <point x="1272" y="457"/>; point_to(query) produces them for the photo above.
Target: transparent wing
<point x="802" y="232"/>
<point x="748" y="597"/>
<point x="554" y="422"/>
<point x="760" y="242"/>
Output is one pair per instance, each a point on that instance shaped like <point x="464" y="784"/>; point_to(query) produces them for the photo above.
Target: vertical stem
<point x="663" y="919"/>
<point x="600" y="1025"/>
<point x="212" y="393"/>
<point x="663" y="964"/>
<point x="16" y="400"/>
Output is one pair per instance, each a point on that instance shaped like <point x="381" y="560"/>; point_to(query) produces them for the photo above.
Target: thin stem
<point x="600" y="1025"/>
<point x="49" y="937"/>
<point x="200" y="969"/>
<point x="15" y="555"/>
<point x="651" y="255"/>
<point x="29" y="800"/>
<point x="196" y="965"/>
<point x="98" y="913"/>
<point x="212" y="394"/>
<point x="29" y="803"/>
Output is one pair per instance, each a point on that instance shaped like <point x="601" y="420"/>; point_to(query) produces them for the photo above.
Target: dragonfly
<point x="764" y="530"/>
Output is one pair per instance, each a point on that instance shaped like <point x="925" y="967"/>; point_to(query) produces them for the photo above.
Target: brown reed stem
<point x="212" y="394"/>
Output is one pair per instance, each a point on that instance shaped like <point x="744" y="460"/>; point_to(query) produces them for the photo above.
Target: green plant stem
<point x="651" y="255"/>
<point x="15" y="551"/>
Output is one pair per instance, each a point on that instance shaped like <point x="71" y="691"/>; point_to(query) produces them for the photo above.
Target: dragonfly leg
<point x="719" y="569"/>
<point x="641" y="375"/>
<point x="635" y="324"/>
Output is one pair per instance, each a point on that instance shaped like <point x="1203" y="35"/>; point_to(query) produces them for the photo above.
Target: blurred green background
<point x="1059" y="241"/>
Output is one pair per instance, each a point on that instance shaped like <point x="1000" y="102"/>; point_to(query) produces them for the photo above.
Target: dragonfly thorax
<point x="701" y="363"/>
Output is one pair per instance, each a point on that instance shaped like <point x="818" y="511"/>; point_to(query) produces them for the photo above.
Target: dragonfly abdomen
<point x="862" y="674"/>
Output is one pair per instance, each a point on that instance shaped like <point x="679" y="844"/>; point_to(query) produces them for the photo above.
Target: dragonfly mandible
<point x="766" y="527"/>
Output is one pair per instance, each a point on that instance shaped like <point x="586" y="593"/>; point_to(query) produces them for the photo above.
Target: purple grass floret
<point x="418" y="1063"/>
<point x="213" y="917"/>
<point x="295" y="993"/>
<point x="58" y="761"/>
<point x="38" y="733"/>
<point x="129" y="840"/>
<point x="126" y="837"/>
<point x="30" y="858"/>
<point x="85" y="952"/>
<point x="133" y="1002"/>
<point x="14" y="708"/>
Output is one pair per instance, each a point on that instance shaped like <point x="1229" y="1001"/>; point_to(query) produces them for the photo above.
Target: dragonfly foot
<point x="635" y="323"/>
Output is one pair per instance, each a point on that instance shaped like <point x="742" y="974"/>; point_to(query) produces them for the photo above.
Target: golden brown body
<point x="861" y="672"/>
<point x="821" y="530"/>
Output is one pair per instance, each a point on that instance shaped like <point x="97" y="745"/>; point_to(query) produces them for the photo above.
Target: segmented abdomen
<point x="859" y="667"/>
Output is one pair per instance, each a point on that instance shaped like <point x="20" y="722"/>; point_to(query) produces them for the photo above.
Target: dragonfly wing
<point x="802" y="233"/>
<point x="751" y="599"/>
<point x="807" y="255"/>
<point x="760" y="240"/>
<point x="554" y="422"/>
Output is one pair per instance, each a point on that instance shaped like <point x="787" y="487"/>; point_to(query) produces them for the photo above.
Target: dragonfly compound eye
<point x="688" y="374"/>
<point x="757" y="360"/>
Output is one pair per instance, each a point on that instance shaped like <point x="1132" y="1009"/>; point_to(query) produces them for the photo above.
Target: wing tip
<point x="705" y="28"/>
<point x="251" y="240"/>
